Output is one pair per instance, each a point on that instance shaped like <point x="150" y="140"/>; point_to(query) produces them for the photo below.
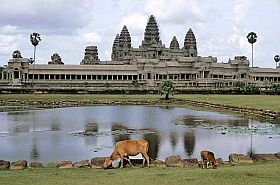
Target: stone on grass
<point x="64" y="164"/>
<point x="18" y="165"/>
<point x="265" y="157"/>
<point x="82" y="164"/>
<point x="174" y="161"/>
<point x="97" y="162"/>
<point x="193" y="162"/>
<point x="159" y="163"/>
<point x="239" y="158"/>
<point x="4" y="165"/>
<point x="36" y="165"/>
<point x="277" y="154"/>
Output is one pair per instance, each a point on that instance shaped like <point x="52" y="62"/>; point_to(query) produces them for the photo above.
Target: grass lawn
<point x="257" y="173"/>
<point x="266" y="102"/>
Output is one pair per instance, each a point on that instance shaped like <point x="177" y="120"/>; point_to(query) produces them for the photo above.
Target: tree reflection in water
<point x="189" y="142"/>
<point x="55" y="126"/>
<point x="173" y="139"/>
<point x="117" y="128"/>
<point x="90" y="129"/>
<point x="251" y="150"/>
<point x="153" y="140"/>
<point x="35" y="154"/>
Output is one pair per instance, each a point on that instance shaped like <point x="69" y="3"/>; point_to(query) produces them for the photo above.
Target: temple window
<point x="149" y="75"/>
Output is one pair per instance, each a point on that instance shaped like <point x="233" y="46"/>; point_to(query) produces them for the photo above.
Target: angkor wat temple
<point x="137" y="68"/>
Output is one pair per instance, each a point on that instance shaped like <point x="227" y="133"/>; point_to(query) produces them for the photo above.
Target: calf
<point x="128" y="148"/>
<point x="208" y="157"/>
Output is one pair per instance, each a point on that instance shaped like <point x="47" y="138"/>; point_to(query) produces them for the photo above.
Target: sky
<point x="68" y="26"/>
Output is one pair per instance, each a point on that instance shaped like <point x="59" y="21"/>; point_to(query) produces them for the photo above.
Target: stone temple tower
<point x="91" y="56"/>
<point x="115" y="48"/>
<point x="122" y="45"/>
<point x="174" y="44"/>
<point x="190" y="44"/>
<point x="151" y="35"/>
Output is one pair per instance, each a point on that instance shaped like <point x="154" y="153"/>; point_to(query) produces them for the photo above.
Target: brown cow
<point x="208" y="157"/>
<point x="128" y="148"/>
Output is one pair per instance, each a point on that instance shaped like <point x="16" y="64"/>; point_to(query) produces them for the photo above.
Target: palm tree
<point x="35" y="39"/>
<point x="252" y="38"/>
<point x="277" y="59"/>
<point x="166" y="88"/>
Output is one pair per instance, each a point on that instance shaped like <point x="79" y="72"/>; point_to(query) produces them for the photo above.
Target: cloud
<point x="91" y="38"/>
<point x="8" y="44"/>
<point x="135" y="23"/>
<point x="176" y="11"/>
<point x="56" y="16"/>
<point x="240" y="10"/>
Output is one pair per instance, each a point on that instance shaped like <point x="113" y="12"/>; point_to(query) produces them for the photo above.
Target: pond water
<point x="77" y="133"/>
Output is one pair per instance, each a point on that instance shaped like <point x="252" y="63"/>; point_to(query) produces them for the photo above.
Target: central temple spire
<point x="190" y="44"/>
<point x="151" y="35"/>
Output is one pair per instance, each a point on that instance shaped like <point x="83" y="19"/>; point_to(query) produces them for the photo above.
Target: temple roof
<point x="151" y="35"/>
<point x="116" y="41"/>
<point x="125" y="39"/>
<point x="174" y="44"/>
<point x="189" y="38"/>
<point x="190" y="43"/>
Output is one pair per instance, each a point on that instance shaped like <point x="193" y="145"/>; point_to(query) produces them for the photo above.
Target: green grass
<point x="259" y="173"/>
<point x="266" y="102"/>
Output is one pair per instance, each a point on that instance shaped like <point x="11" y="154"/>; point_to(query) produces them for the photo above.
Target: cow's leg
<point x="143" y="160"/>
<point x="121" y="156"/>
<point x="202" y="161"/>
<point x="207" y="164"/>
<point x="145" y="156"/>
<point x="129" y="161"/>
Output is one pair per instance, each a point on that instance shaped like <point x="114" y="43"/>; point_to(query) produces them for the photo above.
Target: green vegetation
<point x="275" y="88"/>
<point x="247" y="89"/>
<point x="252" y="38"/>
<point x="257" y="173"/>
<point x="166" y="88"/>
<point x="135" y="83"/>
<point x="266" y="102"/>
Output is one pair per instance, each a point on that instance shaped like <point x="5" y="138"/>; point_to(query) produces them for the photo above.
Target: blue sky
<point x="68" y="26"/>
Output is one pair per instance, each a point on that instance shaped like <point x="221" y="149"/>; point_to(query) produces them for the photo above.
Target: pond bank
<point x="170" y="161"/>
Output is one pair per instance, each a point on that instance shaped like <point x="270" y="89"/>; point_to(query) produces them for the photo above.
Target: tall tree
<point x="167" y="88"/>
<point x="276" y="59"/>
<point x="35" y="39"/>
<point x="252" y="38"/>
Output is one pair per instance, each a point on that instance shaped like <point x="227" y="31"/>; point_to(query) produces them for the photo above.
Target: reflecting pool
<point x="77" y="133"/>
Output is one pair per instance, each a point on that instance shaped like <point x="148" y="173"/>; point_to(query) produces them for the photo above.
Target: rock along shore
<point x="170" y="161"/>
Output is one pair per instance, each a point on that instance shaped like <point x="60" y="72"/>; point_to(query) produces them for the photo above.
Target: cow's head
<point x="215" y="164"/>
<point x="108" y="161"/>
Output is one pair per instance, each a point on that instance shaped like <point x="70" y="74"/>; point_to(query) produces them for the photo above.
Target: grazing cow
<point x="128" y="148"/>
<point x="208" y="157"/>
